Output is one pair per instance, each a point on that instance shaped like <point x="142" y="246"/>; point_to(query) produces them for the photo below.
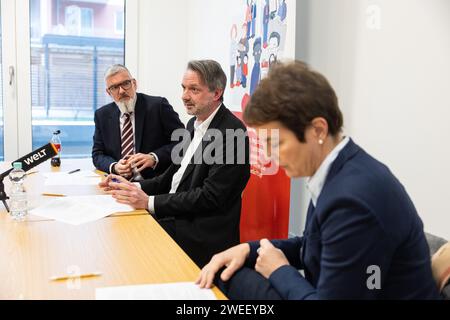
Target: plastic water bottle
<point x="18" y="196"/>
<point x="56" y="160"/>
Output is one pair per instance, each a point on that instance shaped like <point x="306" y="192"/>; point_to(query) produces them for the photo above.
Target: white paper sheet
<point x="80" y="178"/>
<point x="77" y="210"/>
<point x="165" y="291"/>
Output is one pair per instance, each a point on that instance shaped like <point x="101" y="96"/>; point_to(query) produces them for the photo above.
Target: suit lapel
<point x="190" y="166"/>
<point x="346" y="154"/>
<point x="309" y="214"/>
<point x="306" y="231"/>
<point x="139" y="117"/>
<point x="217" y="121"/>
<point x="114" y="124"/>
<point x="349" y="151"/>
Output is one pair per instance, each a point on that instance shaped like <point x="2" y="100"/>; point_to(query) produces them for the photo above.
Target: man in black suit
<point x="133" y="134"/>
<point x="198" y="199"/>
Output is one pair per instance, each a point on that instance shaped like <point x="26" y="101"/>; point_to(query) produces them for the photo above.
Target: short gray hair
<point x="115" y="69"/>
<point x="211" y="74"/>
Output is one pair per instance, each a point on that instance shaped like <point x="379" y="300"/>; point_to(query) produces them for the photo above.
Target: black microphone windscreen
<point x="38" y="156"/>
<point x="35" y="158"/>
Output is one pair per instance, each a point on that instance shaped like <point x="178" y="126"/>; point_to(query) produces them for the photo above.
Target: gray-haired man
<point x="133" y="133"/>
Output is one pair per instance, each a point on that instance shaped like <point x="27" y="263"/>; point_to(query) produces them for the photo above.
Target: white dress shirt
<point x="200" y="128"/>
<point x="316" y="182"/>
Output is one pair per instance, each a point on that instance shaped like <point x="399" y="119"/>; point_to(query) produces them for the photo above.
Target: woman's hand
<point x="233" y="258"/>
<point x="269" y="259"/>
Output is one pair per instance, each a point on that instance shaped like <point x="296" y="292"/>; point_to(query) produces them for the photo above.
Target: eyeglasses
<point x="124" y="85"/>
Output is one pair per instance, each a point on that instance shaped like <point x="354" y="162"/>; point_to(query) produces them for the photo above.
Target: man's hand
<point x="233" y="259"/>
<point x="140" y="161"/>
<point x="123" y="168"/>
<point x="127" y="193"/>
<point x="104" y="184"/>
<point x="269" y="258"/>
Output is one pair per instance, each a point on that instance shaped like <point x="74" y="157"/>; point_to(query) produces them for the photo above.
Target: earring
<point x="321" y="142"/>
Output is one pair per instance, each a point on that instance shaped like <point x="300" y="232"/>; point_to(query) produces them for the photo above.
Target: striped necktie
<point x="127" y="136"/>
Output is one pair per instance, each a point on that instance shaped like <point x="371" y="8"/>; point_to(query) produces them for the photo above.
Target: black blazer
<point x="203" y="216"/>
<point x="155" y="120"/>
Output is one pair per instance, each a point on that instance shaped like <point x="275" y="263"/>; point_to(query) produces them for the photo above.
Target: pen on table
<point x="75" y="276"/>
<point x="53" y="195"/>
<point x="30" y="173"/>
<point x="73" y="171"/>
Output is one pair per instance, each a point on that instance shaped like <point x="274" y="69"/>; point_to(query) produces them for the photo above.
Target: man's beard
<point x="127" y="106"/>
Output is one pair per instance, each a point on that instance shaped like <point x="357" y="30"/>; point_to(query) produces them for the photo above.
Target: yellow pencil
<point x="53" y="195"/>
<point x="75" y="276"/>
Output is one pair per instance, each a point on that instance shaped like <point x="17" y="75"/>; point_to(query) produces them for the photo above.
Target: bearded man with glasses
<point x="133" y="134"/>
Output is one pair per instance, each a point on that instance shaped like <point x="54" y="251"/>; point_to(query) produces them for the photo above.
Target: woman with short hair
<point x="363" y="238"/>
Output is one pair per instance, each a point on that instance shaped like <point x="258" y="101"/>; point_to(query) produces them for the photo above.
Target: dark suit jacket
<point x="363" y="218"/>
<point x="155" y="120"/>
<point x="203" y="216"/>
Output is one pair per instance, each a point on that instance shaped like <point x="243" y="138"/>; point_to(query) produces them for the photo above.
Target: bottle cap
<point x="17" y="165"/>
<point x="57" y="132"/>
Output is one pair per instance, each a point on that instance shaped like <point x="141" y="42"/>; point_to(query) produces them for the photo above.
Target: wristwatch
<point x="154" y="159"/>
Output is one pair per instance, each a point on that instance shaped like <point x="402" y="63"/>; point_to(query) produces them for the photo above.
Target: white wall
<point x="204" y="41"/>
<point x="170" y="34"/>
<point x="393" y="84"/>
<point x="162" y="53"/>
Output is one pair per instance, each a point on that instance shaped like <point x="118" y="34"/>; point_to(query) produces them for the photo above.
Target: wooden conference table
<point x="128" y="249"/>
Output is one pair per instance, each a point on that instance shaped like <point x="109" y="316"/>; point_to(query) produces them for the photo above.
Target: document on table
<point x="165" y="291"/>
<point x="77" y="210"/>
<point x="79" y="178"/>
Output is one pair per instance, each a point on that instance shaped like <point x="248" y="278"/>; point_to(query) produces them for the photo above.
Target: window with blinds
<point x="70" y="51"/>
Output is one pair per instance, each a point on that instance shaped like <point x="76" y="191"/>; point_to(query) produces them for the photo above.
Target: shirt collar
<point x="203" y="126"/>
<point x="316" y="182"/>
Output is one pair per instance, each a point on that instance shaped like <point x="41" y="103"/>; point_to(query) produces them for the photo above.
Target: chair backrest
<point x="434" y="242"/>
<point x="440" y="263"/>
<point x="446" y="292"/>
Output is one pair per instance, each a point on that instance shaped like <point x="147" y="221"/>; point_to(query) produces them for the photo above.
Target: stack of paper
<point x="77" y="210"/>
<point x="80" y="178"/>
<point x="166" y="291"/>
